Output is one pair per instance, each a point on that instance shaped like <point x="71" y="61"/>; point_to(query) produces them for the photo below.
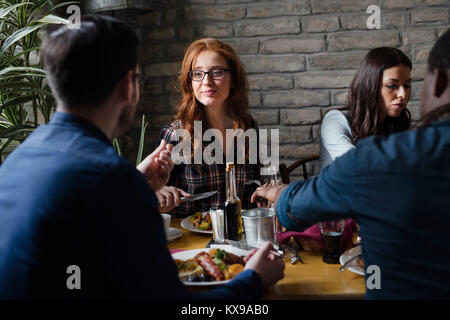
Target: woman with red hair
<point x="214" y="90"/>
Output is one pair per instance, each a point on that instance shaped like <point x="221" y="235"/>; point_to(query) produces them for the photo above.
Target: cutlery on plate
<point x="199" y="196"/>
<point x="346" y="264"/>
<point x="246" y="246"/>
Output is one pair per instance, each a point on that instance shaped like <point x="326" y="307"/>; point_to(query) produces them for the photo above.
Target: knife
<point x="246" y="246"/>
<point x="199" y="196"/>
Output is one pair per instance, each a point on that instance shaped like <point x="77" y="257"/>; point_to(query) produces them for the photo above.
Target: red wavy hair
<point x="190" y="109"/>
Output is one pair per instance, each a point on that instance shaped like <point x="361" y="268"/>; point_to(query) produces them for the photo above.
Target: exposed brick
<point x="150" y="19"/>
<point x="442" y="30"/>
<point x="161" y="34"/>
<point x="176" y="49"/>
<point x="298" y="134"/>
<point x="416" y="90"/>
<point x="278" y="8"/>
<point x="270" y="82"/>
<point x="339" y="98"/>
<point x="153" y="105"/>
<point x="296" y="98"/>
<point x="300" y="116"/>
<point x="254" y="99"/>
<point x="358" y="21"/>
<point x="163" y="69"/>
<point x="418" y="71"/>
<point x="430" y="15"/>
<point x="244" y="46"/>
<point x="421" y="54"/>
<point x="260" y="64"/>
<point x="432" y="2"/>
<point x="151" y="88"/>
<point x="222" y="13"/>
<point x="293" y="45"/>
<point x="186" y="32"/>
<point x="332" y="6"/>
<point x="171" y="14"/>
<point x="320" y="24"/>
<point x="216" y="30"/>
<point x="295" y="151"/>
<point x="363" y="39"/>
<point x="265" y="27"/>
<point x="391" y="4"/>
<point x="346" y="60"/>
<point x="394" y="20"/>
<point x="323" y="79"/>
<point x="354" y="21"/>
<point x="265" y="117"/>
<point x="419" y="35"/>
<point x="414" y="108"/>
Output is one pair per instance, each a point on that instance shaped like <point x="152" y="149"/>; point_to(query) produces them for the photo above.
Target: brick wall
<point x="300" y="56"/>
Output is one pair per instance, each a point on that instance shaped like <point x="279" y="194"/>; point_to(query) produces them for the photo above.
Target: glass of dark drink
<point x="331" y="232"/>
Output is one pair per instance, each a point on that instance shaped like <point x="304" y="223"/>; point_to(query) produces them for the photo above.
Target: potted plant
<point x="26" y="100"/>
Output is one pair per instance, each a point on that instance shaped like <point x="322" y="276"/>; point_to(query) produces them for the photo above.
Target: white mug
<point x="166" y="220"/>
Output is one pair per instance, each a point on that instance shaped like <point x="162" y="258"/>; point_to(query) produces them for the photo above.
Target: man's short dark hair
<point x="439" y="57"/>
<point x="84" y="64"/>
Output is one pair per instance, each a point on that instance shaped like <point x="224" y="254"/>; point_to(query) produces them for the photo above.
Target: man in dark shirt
<point x="398" y="190"/>
<point x="70" y="206"/>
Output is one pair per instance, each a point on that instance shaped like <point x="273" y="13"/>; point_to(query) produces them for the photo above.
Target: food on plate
<point x="200" y="221"/>
<point x="215" y="265"/>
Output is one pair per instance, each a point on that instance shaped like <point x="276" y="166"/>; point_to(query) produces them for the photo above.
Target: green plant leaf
<point x="26" y="69"/>
<point x="51" y="18"/>
<point x="116" y="146"/>
<point x="141" y="140"/>
<point x="16" y="36"/>
<point x="16" y="101"/>
<point x="6" y="11"/>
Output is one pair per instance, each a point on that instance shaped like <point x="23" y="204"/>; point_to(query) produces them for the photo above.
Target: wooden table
<point x="313" y="279"/>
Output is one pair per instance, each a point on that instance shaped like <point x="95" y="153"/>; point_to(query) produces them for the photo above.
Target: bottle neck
<point x="231" y="193"/>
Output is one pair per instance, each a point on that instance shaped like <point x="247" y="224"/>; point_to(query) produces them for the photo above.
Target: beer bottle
<point x="232" y="207"/>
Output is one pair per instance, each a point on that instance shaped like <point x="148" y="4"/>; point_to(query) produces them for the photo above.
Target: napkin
<point x="313" y="233"/>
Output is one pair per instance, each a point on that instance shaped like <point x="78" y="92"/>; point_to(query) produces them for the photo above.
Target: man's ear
<point x="125" y="87"/>
<point x="441" y="82"/>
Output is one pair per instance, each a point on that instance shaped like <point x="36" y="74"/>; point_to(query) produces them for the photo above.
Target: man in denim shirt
<point x="398" y="189"/>
<point x="69" y="204"/>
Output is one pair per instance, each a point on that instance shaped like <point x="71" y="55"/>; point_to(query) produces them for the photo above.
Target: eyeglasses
<point x="199" y="75"/>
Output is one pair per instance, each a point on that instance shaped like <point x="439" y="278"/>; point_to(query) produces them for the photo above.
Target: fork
<point x="345" y="265"/>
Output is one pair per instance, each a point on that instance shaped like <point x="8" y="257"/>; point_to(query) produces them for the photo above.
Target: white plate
<point x="189" y="254"/>
<point x="174" y="233"/>
<point x="353" y="266"/>
<point x="187" y="224"/>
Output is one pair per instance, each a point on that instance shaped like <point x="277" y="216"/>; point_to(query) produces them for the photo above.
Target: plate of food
<point x="198" y="222"/>
<point x="357" y="265"/>
<point x="209" y="266"/>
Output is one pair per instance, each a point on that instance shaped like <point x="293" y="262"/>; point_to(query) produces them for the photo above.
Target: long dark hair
<point x="363" y="98"/>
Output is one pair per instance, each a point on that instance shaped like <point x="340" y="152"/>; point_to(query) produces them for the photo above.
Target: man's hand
<point x="156" y="166"/>
<point x="270" y="192"/>
<point x="269" y="266"/>
<point x="170" y="197"/>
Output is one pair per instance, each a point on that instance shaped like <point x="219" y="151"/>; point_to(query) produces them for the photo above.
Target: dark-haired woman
<point x="377" y="102"/>
<point x="214" y="91"/>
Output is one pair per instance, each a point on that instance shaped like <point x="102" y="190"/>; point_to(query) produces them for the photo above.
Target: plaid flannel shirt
<point x="203" y="177"/>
